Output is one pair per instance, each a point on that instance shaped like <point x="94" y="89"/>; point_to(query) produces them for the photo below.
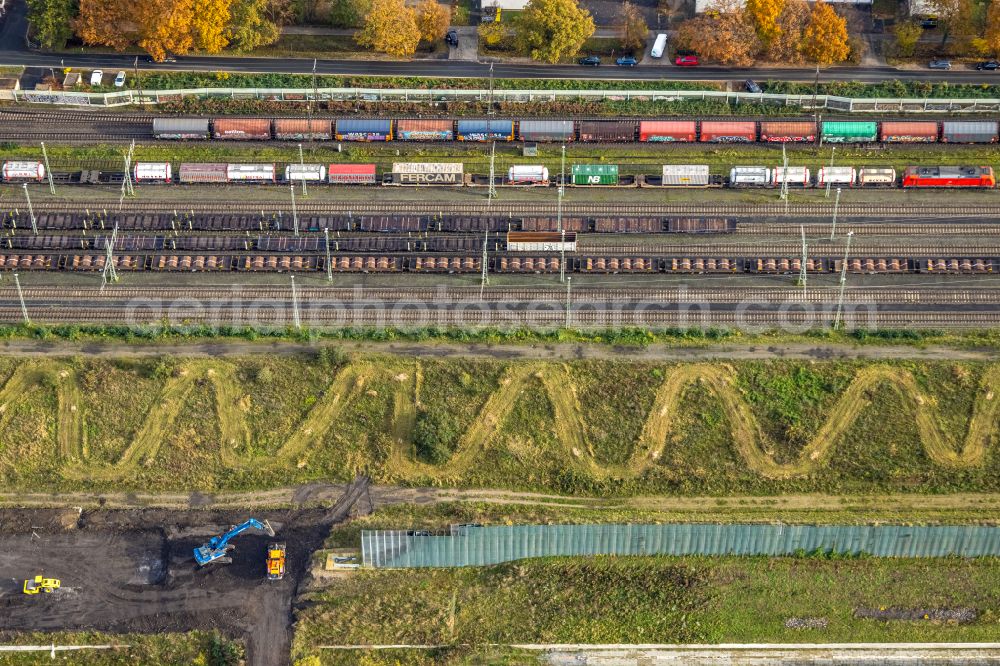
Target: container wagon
<point x="949" y="176"/>
<point x="610" y="131"/>
<point x="363" y="129"/>
<point x="242" y="129"/>
<point x="876" y="177"/>
<point x="152" y="172"/>
<point x="728" y="131"/>
<point x="528" y="174"/>
<point x="427" y="173"/>
<point x="909" y="131"/>
<point x="491" y="129"/>
<point x="749" y="176"/>
<point x="685" y="175"/>
<point x="594" y="174"/>
<point x="668" y="131"/>
<point x="181" y="128"/>
<point x="425" y="129"/>
<point x="203" y="172"/>
<point x="794" y="175"/>
<point x="22" y="171"/>
<point x="554" y="131"/>
<point x="302" y="129"/>
<point x="969" y="131"/>
<point x="788" y="131"/>
<point x="848" y="131"/>
<point x="837" y="175"/>
<point x="351" y="174"/>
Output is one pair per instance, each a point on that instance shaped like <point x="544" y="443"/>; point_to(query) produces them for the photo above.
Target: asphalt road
<point x="13" y="51"/>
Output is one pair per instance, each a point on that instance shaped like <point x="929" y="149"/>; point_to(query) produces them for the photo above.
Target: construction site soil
<point x="133" y="571"/>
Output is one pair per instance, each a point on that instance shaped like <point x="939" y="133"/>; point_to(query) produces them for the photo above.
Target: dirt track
<point x="133" y="570"/>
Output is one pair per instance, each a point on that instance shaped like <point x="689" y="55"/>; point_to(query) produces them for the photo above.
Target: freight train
<point x="580" y="175"/>
<point x="588" y="131"/>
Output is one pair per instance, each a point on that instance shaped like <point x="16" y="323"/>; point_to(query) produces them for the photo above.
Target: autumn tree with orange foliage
<point x="107" y="23"/>
<point x="825" y="40"/>
<point x="764" y="15"/>
<point x="634" y="30"/>
<point x="729" y="39"/>
<point x="786" y="47"/>
<point x="165" y="27"/>
<point x="433" y="20"/>
<point x="391" y="28"/>
<point x="991" y="35"/>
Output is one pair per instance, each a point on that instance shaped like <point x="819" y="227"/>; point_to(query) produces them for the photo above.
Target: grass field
<point x="648" y="600"/>
<point x="597" y="428"/>
<point x="198" y="648"/>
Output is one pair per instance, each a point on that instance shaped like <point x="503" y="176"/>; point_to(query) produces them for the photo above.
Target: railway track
<point x="552" y="317"/>
<point x="815" y="249"/>
<point x="72" y="296"/>
<point x="426" y="207"/>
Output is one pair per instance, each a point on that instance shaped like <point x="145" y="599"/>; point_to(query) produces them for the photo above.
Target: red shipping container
<point x="728" y="131"/>
<point x="912" y="131"/>
<point x="351" y="174"/>
<point x="788" y="131"/>
<point x="246" y="129"/>
<point x="667" y="131"/>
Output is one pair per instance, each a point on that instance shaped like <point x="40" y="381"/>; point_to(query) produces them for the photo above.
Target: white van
<point x="95" y="77"/>
<point x="659" y="46"/>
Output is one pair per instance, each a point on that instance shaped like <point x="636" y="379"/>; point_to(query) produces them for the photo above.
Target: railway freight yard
<point x="379" y="389"/>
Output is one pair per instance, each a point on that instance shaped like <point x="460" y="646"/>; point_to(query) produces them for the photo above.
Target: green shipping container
<point x="595" y="174"/>
<point x="849" y="132"/>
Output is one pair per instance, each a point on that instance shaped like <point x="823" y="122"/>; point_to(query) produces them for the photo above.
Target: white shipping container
<point x="877" y="176"/>
<point x="427" y="167"/>
<point x="685" y="174"/>
<point x="749" y="175"/>
<point x="152" y="172"/>
<point x="23" y="170"/>
<point x="838" y="175"/>
<point x="797" y="176"/>
<point x="528" y="174"/>
<point x="307" y="172"/>
<point x="251" y="173"/>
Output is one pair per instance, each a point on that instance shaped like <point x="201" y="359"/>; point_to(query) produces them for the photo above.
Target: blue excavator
<point x="218" y="546"/>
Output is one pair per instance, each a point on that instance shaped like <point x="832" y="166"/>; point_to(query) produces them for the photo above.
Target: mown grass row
<point x="196" y="648"/>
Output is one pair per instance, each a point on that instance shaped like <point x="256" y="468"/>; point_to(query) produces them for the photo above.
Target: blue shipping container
<point x="354" y="129"/>
<point x="485" y="130"/>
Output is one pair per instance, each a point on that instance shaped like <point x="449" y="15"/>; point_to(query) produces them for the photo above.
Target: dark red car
<point x="686" y="61"/>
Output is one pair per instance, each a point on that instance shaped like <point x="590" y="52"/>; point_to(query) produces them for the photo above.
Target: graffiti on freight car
<point x="351" y="381"/>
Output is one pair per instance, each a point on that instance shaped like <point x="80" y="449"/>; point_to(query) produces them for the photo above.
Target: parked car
<point x="686" y="61"/>
<point x="752" y="86"/>
<point x="626" y="61"/>
<point x="988" y="65"/>
<point x="929" y="22"/>
<point x="939" y="64"/>
<point x="96" y="77"/>
<point x="590" y="61"/>
<point x="451" y="38"/>
<point x="120" y="80"/>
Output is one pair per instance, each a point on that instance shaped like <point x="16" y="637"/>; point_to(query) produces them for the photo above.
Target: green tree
<point x="249" y="25"/>
<point x="52" y="21"/>
<point x="907" y="35"/>
<point x="550" y="30"/>
<point x="349" y="13"/>
<point x="435" y="435"/>
<point x="391" y="28"/>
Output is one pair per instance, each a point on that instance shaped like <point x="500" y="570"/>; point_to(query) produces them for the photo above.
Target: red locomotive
<point x="949" y="176"/>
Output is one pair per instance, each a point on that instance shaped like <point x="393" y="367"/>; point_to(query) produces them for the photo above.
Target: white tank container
<point x="250" y="173"/>
<point x="795" y="176"/>
<point x="23" y="170"/>
<point x="838" y="175"/>
<point x="308" y="172"/>
<point x="152" y="172"/>
<point x="528" y="174"/>
<point x="749" y="176"/>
